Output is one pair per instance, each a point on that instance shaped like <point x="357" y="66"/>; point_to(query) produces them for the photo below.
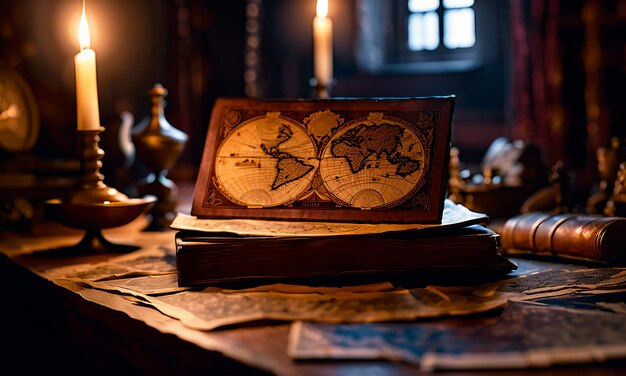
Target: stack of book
<point x="293" y="189"/>
<point x="234" y="250"/>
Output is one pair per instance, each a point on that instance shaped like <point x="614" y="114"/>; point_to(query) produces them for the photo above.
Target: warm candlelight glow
<point x="87" y="109"/>
<point x="322" y="8"/>
<point x="323" y="46"/>
<point x="83" y="31"/>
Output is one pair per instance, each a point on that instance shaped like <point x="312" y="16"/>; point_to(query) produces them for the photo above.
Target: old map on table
<point x="362" y="160"/>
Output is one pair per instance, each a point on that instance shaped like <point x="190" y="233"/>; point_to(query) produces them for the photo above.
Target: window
<point x="425" y="17"/>
<point x="426" y="36"/>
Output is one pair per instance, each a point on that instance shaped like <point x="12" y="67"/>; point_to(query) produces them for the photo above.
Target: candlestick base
<point x="322" y="90"/>
<point x="95" y="217"/>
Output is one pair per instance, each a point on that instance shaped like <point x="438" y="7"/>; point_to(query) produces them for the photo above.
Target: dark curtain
<point x="568" y="79"/>
<point x="206" y="62"/>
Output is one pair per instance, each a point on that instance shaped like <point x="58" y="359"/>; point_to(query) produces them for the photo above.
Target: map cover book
<point x="347" y="160"/>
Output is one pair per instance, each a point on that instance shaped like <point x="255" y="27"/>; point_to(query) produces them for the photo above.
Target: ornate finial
<point x="560" y="181"/>
<point x="615" y="143"/>
<point x="455" y="182"/>
<point x="608" y="160"/>
<point x="487" y="175"/>
<point x="616" y="206"/>
<point x="158" y="91"/>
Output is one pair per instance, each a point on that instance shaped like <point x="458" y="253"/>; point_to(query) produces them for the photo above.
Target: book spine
<point x="578" y="236"/>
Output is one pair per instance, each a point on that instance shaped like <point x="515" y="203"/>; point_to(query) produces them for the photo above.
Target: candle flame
<point x="83" y="31"/>
<point x="322" y="8"/>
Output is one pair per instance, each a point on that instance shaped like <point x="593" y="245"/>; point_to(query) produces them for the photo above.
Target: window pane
<point x="423" y="5"/>
<point x="423" y="31"/>
<point x="458" y="28"/>
<point x="458" y="3"/>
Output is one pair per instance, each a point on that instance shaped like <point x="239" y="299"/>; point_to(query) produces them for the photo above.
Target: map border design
<point x="424" y="206"/>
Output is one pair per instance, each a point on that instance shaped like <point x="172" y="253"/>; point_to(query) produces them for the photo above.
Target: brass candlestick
<point x="159" y="145"/>
<point x="91" y="188"/>
<point x="93" y="206"/>
<point x="322" y="90"/>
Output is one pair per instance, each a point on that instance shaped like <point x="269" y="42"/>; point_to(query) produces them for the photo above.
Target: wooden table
<point x="57" y="328"/>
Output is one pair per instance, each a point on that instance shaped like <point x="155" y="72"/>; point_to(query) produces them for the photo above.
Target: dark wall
<point x="192" y="47"/>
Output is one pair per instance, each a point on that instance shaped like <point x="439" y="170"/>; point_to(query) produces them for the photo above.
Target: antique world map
<point x="349" y="160"/>
<point x="369" y="162"/>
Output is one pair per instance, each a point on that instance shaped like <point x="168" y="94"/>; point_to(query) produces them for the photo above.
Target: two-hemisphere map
<point x="344" y="160"/>
<point x="273" y="160"/>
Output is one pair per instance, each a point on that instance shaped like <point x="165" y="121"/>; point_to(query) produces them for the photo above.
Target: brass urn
<point x="158" y="146"/>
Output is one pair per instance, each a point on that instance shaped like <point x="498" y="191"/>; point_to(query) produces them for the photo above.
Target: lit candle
<point x="323" y="44"/>
<point x="86" y="86"/>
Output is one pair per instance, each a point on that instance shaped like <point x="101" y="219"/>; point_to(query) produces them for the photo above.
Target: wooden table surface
<point x="55" y="328"/>
<point x="58" y="328"/>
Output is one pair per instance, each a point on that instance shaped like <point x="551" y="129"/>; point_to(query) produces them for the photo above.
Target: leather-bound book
<point x="204" y="258"/>
<point x="578" y="236"/>
<point x="234" y="250"/>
